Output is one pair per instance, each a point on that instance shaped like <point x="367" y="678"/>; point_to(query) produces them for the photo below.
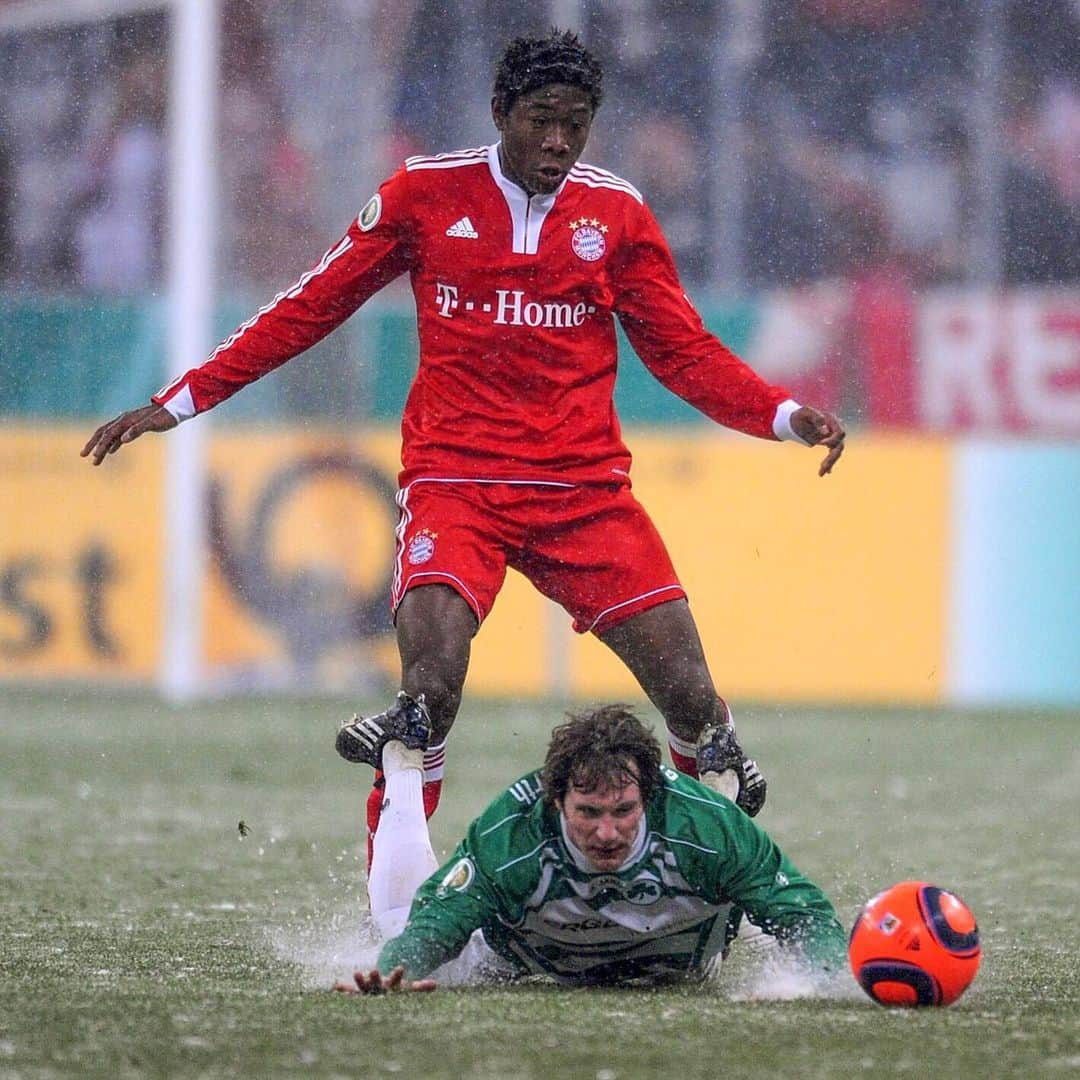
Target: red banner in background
<point x="883" y="324"/>
<point x="991" y="362"/>
<point x="964" y="361"/>
<point x="801" y="341"/>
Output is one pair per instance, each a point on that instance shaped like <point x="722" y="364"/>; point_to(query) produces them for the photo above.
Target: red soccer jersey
<point x="515" y="298"/>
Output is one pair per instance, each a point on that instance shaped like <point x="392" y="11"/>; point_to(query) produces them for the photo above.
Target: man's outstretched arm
<point x="369" y="255"/>
<point x="669" y="335"/>
<point x="776" y="896"/>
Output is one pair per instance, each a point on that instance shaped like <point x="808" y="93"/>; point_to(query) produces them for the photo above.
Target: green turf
<point x="141" y="935"/>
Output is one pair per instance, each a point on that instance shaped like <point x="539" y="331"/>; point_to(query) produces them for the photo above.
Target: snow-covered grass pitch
<point x="145" y="932"/>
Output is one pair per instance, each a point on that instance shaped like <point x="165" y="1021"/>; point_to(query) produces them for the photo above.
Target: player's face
<point x="603" y="824"/>
<point x="543" y="134"/>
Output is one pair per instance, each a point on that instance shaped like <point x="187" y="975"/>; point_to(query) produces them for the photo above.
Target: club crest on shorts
<point x="458" y="877"/>
<point x="421" y="547"/>
<point x="587" y="239"/>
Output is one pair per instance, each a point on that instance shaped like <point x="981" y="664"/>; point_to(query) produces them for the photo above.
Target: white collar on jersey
<point x="526" y="212"/>
<point x="582" y="862"/>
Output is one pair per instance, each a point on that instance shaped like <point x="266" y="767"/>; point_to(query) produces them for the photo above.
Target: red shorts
<point x="591" y="549"/>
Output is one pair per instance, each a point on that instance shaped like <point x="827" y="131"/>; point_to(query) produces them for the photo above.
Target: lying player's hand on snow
<point x="374" y="983"/>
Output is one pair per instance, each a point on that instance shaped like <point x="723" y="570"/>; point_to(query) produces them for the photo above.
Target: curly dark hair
<point x="598" y="749"/>
<point x="528" y="63"/>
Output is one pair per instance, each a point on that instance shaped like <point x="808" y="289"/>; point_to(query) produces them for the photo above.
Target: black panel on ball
<point x="927" y="991"/>
<point x="938" y="924"/>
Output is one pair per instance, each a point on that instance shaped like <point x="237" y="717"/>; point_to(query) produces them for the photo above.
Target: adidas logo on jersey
<point x="463" y="229"/>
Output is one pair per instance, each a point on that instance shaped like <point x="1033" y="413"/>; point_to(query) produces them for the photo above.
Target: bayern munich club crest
<point x="587" y="239"/>
<point x="421" y="547"/>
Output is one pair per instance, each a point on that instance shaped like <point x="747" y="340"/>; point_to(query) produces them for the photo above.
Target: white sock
<point x="402" y="857"/>
<point x="725" y="783"/>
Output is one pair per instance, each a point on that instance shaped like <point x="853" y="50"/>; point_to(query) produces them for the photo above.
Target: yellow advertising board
<point x="301" y="529"/>
<point x="803" y="588"/>
<point x="80" y="558"/>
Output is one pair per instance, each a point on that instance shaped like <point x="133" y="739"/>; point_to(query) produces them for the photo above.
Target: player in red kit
<point x="520" y="259"/>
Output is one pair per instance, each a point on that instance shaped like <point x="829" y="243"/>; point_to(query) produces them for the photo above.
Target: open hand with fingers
<point x="374" y="983"/>
<point x="125" y="428"/>
<point x="820" y="428"/>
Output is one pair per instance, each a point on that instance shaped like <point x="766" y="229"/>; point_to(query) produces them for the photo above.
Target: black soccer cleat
<point x="362" y="739"/>
<point x="717" y="751"/>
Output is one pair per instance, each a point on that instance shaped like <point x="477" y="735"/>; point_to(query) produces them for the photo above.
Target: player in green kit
<point x="604" y="867"/>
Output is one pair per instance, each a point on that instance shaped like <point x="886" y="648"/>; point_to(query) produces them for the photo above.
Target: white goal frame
<point x="190" y="229"/>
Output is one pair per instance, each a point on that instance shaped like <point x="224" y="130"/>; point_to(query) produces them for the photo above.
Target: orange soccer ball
<point x="914" y="944"/>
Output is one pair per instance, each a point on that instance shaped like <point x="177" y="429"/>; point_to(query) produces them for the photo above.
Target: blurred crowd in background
<point x="875" y="202"/>
<point x="779" y="141"/>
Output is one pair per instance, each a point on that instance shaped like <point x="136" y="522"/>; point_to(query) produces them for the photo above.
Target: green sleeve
<point x="758" y="877"/>
<point x="448" y="907"/>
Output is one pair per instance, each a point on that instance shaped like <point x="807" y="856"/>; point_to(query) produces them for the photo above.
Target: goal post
<point x="192" y="202"/>
<point x="194" y="59"/>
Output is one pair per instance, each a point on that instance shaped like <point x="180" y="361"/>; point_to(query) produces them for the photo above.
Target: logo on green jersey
<point x="642" y="890"/>
<point x="459" y="877"/>
<point x="369" y="216"/>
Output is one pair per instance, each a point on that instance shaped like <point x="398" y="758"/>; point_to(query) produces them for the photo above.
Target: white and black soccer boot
<point x="362" y="739"/>
<point x="719" y="753"/>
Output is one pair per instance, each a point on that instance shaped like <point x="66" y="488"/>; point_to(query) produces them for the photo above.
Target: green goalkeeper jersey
<point x="668" y="911"/>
